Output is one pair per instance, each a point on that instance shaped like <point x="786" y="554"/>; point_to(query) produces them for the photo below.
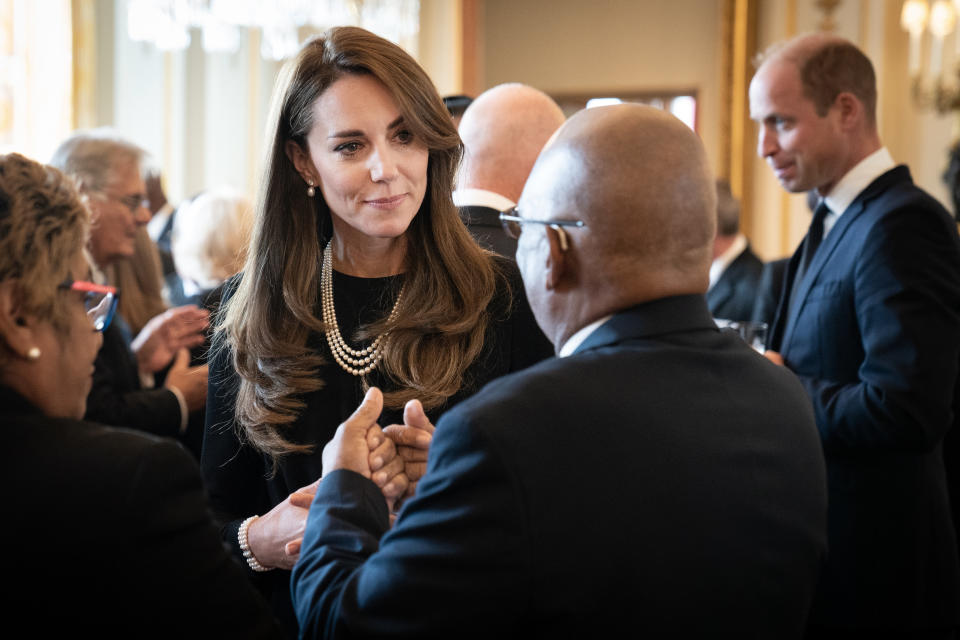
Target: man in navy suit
<point x="735" y="270"/>
<point x="659" y="476"/>
<point x="870" y="322"/>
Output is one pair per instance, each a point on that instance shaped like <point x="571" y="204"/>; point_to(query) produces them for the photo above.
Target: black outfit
<point x="664" y="481"/>
<point x="239" y="478"/>
<point x="117" y="397"/>
<point x="485" y="227"/>
<point x="873" y="334"/>
<point x="768" y="293"/>
<point x="733" y="295"/>
<point x="108" y="535"/>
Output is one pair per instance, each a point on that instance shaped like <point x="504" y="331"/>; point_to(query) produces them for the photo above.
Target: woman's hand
<point x="275" y="537"/>
<point x="165" y="334"/>
<point x="412" y="439"/>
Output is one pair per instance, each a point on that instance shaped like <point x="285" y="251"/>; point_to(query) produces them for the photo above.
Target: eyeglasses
<point x="513" y="225"/>
<point x="132" y="202"/>
<point x="100" y="301"/>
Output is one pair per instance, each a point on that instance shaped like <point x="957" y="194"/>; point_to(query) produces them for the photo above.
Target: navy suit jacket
<point x="485" y="227"/>
<point x="664" y="479"/>
<point x="733" y="295"/>
<point x="874" y="336"/>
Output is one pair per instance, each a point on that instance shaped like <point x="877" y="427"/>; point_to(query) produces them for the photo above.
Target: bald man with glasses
<point x="659" y="477"/>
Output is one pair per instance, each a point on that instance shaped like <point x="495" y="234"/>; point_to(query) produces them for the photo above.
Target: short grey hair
<point x="91" y="156"/>
<point x="728" y="210"/>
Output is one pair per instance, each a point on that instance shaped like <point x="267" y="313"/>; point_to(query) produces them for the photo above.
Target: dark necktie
<point x="810" y="246"/>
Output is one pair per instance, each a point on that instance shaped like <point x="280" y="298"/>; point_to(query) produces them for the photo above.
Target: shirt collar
<point x="577" y="338"/>
<point x="482" y="198"/>
<point x="721" y="262"/>
<point x="857" y="179"/>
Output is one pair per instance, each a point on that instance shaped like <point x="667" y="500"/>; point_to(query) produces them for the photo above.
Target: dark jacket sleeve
<point x="455" y="553"/>
<point x="117" y="399"/>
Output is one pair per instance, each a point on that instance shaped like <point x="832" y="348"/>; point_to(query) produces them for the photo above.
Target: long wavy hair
<point x="274" y="309"/>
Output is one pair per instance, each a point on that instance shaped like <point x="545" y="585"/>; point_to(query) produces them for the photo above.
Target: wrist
<point x="244" y="541"/>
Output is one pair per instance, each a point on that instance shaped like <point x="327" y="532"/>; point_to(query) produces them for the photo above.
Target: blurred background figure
<point x="771" y="278"/>
<point x="162" y="215"/>
<point x="503" y="130"/>
<point x="456" y="105"/>
<point x="209" y="242"/>
<point x="128" y="535"/>
<point x="142" y="379"/>
<point x="735" y="271"/>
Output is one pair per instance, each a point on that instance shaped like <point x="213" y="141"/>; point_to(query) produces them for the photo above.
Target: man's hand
<point x="349" y="448"/>
<point x="774" y="357"/>
<point x="165" y="334"/>
<point x="413" y="439"/>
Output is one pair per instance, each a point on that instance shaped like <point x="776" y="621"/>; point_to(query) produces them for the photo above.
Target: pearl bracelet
<point x="245" y="546"/>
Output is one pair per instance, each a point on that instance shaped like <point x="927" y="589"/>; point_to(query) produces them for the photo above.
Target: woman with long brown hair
<point x="360" y="273"/>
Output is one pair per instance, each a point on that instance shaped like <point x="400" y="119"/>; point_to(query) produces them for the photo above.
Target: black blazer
<point x="733" y="296"/>
<point x="108" y="535"/>
<point x="484" y="225"/>
<point x="874" y="336"/>
<point x="769" y="290"/>
<point x="116" y="397"/>
<point x="664" y="479"/>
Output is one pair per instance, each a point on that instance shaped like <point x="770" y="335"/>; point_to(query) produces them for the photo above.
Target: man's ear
<point x="300" y="160"/>
<point x="556" y="267"/>
<point x="17" y="329"/>
<point x="850" y="109"/>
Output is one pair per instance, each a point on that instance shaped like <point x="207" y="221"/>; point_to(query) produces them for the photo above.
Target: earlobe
<point x="16" y="329"/>
<point x="556" y="266"/>
<point x="300" y="160"/>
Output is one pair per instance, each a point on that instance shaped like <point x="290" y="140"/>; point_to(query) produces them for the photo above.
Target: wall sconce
<point x="931" y="88"/>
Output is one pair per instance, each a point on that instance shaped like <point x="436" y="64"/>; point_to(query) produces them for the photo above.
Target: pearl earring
<point x="310" y="189"/>
<point x="33" y="353"/>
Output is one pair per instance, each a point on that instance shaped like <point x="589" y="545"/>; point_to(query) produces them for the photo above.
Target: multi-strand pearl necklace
<point x="353" y="361"/>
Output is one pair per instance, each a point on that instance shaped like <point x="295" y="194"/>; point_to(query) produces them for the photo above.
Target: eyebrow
<point x="354" y="133"/>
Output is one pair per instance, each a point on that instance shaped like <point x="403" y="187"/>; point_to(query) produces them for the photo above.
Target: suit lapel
<point x="829" y="246"/>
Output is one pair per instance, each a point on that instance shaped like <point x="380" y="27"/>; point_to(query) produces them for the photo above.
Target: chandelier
<point x="168" y="24"/>
<point x="932" y="87"/>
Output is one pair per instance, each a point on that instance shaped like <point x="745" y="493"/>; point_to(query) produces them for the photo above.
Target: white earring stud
<point x="33" y="353"/>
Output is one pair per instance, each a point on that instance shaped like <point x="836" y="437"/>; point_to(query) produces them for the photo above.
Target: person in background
<point x="503" y="130"/>
<point x="143" y="381"/>
<point x="116" y="539"/>
<point x="456" y="105"/>
<point x="591" y="494"/>
<point x="359" y="274"/>
<point x="735" y="270"/>
<point x="870" y="323"/>
<point x="772" y="277"/>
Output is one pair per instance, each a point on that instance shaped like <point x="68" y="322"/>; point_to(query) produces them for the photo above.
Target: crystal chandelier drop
<point x="167" y="24"/>
<point x="930" y="85"/>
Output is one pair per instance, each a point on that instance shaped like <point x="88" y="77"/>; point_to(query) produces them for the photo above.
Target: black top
<point x="109" y="536"/>
<point x="239" y="478"/>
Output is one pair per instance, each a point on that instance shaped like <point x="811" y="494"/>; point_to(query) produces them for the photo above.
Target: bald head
<point x="503" y="130"/>
<point x="640" y="181"/>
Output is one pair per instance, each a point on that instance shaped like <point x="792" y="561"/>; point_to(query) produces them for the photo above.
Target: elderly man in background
<point x="735" y="270"/>
<point x="869" y="321"/>
<point x="503" y="130"/>
<point x="625" y="485"/>
<point x="125" y="391"/>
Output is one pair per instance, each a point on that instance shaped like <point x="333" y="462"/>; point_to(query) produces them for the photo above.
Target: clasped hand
<point x="359" y="445"/>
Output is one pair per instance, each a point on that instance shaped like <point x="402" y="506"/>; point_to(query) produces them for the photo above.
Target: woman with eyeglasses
<point x="107" y="529"/>
<point x="360" y="274"/>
